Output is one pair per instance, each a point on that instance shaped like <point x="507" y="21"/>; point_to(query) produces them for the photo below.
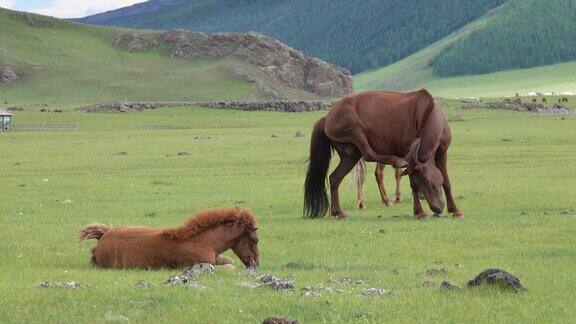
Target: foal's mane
<point x="211" y="218"/>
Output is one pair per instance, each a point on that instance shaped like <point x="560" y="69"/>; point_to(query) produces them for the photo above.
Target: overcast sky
<point x="66" y="8"/>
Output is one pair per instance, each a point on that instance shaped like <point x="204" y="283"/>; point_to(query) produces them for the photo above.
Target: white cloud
<point x="80" y="8"/>
<point x="7" y="3"/>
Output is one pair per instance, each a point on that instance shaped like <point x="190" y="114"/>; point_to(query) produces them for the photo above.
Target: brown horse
<point x="360" y="180"/>
<point x="201" y="239"/>
<point x="381" y="127"/>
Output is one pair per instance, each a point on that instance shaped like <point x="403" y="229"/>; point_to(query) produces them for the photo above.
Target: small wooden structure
<point x="5" y="120"/>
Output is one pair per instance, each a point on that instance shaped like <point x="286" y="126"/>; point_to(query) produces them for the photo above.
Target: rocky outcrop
<point x="282" y="106"/>
<point x="7" y="74"/>
<point x="137" y="42"/>
<point x="36" y="21"/>
<point x="259" y="83"/>
<point x="286" y="65"/>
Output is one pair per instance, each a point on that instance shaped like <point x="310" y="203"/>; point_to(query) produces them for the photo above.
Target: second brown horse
<point x="400" y="129"/>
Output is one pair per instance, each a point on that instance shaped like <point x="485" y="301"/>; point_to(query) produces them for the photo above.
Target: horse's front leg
<point x="398" y="176"/>
<point x="418" y="210"/>
<point x="442" y="165"/>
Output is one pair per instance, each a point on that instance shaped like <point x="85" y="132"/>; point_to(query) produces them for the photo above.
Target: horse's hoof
<point x="361" y="205"/>
<point x="421" y="215"/>
<point x="397" y="200"/>
<point x="340" y="214"/>
<point x="457" y="214"/>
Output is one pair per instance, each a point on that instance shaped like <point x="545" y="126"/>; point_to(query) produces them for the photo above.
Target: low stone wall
<point x="555" y="109"/>
<point x="282" y="106"/>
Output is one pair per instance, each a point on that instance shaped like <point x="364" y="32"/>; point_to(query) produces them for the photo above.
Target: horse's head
<point x="426" y="178"/>
<point x="246" y="247"/>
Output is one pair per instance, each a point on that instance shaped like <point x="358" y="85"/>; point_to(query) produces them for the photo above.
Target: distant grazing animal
<point x="534" y="100"/>
<point x="544" y="100"/>
<point x="360" y="180"/>
<point x="381" y="127"/>
<point x="564" y="99"/>
<point x="200" y="240"/>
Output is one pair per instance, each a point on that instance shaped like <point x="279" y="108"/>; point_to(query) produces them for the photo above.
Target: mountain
<point x="45" y="59"/>
<point x="358" y="35"/>
<point x="419" y="70"/>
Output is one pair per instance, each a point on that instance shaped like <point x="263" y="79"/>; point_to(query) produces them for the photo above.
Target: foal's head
<point x="246" y="246"/>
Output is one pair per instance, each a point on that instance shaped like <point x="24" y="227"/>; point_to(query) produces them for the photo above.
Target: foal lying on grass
<point x="201" y="239"/>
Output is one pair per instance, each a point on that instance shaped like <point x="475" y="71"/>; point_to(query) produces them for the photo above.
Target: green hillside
<point x="415" y="72"/>
<point x="64" y="62"/>
<point x="527" y="33"/>
<point x="358" y="35"/>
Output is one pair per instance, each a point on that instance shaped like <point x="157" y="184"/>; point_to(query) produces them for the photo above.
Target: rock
<point x="189" y="274"/>
<point x="276" y="283"/>
<point x="436" y="272"/>
<point x="183" y="154"/>
<point x="278" y="320"/>
<point x="274" y="136"/>
<point x="347" y="281"/>
<point x="143" y="283"/>
<point x="121" y="153"/>
<point x="55" y="284"/>
<point x="429" y="284"/>
<point x="7" y="74"/>
<point x="299" y="134"/>
<point x="199" y="269"/>
<point x="251" y="272"/>
<point x="497" y="277"/>
<point x="448" y="286"/>
<point x="375" y="292"/>
<point x="270" y="281"/>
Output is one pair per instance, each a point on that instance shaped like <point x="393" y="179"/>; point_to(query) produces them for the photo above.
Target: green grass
<point x="513" y="193"/>
<point x="414" y="72"/>
<point x="71" y="63"/>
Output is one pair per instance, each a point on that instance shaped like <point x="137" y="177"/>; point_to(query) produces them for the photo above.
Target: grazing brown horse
<point x="381" y="127"/>
<point x="200" y="240"/>
<point x="360" y="180"/>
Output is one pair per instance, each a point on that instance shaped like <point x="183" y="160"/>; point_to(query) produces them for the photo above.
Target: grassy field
<point x="513" y="175"/>
<point x="414" y="72"/>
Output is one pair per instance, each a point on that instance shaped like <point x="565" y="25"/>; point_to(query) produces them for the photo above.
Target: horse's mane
<point x="211" y="218"/>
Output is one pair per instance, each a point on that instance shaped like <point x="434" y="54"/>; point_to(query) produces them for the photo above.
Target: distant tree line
<point x="526" y="33"/>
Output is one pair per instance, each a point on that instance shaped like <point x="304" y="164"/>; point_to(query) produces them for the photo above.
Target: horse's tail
<point x="359" y="175"/>
<point x="93" y="231"/>
<point x="315" y="197"/>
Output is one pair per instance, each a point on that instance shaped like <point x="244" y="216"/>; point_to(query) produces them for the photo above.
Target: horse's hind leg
<point x="349" y="156"/>
<point x="379" y="175"/>
<point x="360" y="177"/>
<point x="222" y="260"/>
<point x="398" y="176"/>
